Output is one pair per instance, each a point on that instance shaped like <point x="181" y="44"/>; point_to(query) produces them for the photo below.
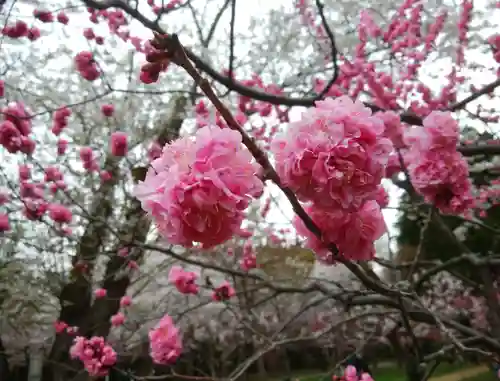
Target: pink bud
<point x="119" y="144"/>
<point x="105" y="176"/>
<point x="125" y="301"/>
<point x="100" y="293"/>
<point x="108" y="110"/>
<point x="62" y="18"/>
<point x="62" y="145"/>
<point x="117" y="319"/>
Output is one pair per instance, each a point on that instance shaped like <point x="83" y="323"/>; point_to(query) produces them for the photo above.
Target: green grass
<point x="389" y="373"/>
<point x="386" y="373"/>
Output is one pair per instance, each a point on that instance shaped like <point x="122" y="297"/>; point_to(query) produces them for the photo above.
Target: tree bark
<point x="75" y="298"/>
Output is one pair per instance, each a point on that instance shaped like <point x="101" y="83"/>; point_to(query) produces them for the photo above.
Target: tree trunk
<point x="75" y="297"/>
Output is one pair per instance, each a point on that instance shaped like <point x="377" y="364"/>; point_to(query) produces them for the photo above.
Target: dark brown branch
<point x="333" y="49"/>
<point x="231" y="40"/>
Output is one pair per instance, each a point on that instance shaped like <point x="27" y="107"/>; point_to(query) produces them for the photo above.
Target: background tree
<point x="83" y="117"/>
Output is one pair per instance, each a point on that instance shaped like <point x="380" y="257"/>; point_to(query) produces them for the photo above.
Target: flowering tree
<point x="148" y="155"/>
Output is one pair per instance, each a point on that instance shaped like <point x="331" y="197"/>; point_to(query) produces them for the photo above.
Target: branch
<point x="231" y="39"/>
<point x="406" y="117"/>
<point x="333" y="48"/>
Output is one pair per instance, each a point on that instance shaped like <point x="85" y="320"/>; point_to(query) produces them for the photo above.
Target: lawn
<point x="387" y="373"/>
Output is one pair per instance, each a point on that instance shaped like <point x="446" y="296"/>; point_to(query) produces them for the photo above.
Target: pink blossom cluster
<point x="351" y="374"/>
<point x="96" y="355"/>
<point x="249" y="258"/>
<point x="165" y="342"/>
<point x="62" y="17"/>
<point x="437" y="170"/>
<point x="60" y="213"/>
<point x="223" y="292"/>
<point x="4" y="222"/>
<point x="88" y="159"/>
<point x="409" y="38"/>
<point x="334" y="159"/>
<point x="21" y="29"/>
<point x="87" y="66"/>
<point x="157" y="9"/>
<point x="494" y="41"/>
<point x="61" y="327"/>
<point x="184" y="281"/>
<point x="108" y="110"/>
<point x="16" y="128"/>
<point x="199" y="188"/>
<point x="60" y="120"/>
<point x="157" y="63"/>
<point x="118" y="143"/>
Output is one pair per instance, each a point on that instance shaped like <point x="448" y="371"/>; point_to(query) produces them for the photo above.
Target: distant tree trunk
<point x="261" y="366"/>
<point x="75" y="298"/>
<point x="35" y="366"/>
<point x="4" y="363"/>
<point x="413" y="370"/>
<point x="286" y="362"/>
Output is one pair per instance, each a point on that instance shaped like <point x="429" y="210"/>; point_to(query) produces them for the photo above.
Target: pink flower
<point x="62" y="18"/>
<point x="86" y="154"/>
<point x="105" y="176"/>
<point x="366" y="377"/>
<point x="27" y="145"/>
<point x="198" y="189"/>
<point x="353" y="233"/>
<point x="335" y="156"/>
<point x="60" y="121"/>
<point x="184" y="280"/>
<point x="249" y="260"/>
<point x="108" y="110"/>
<point x="24" y="172"/>
<point x="132" y="265"/>
<point x="123" y="252"/>
<point x="59" y="213"/>
<point x="35" y="209"/>
<point x="118" y="144"/>
<point x="88" y="33"/>
<point x="96" y="355"/>
<point x="164" y="341"/>
<point x="443" y="179"/>
<point x="351" y="373"/>
<point x="437" y="170"/>
<point x="154" y="151"/>
<point x="4" y="223"/>
<point x="4" y="196"/>
<point x="393" y="127"/>
<point x="223" y="292"/>
<point x="43" y="16"/>
<point x="100" y="293"/>
<point x="18" y="114"/>
<point x="86" y="66"/>
<point x="382" y="197"/>
<point x="33" y="34"/>
<point x="60" y="326"/>
<point x="125" y="301"/>
<point x="20" y="29"/>
<point x="117" y="319"/>
<point x="10" y="137"/>
<point x="53" y="173"/>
